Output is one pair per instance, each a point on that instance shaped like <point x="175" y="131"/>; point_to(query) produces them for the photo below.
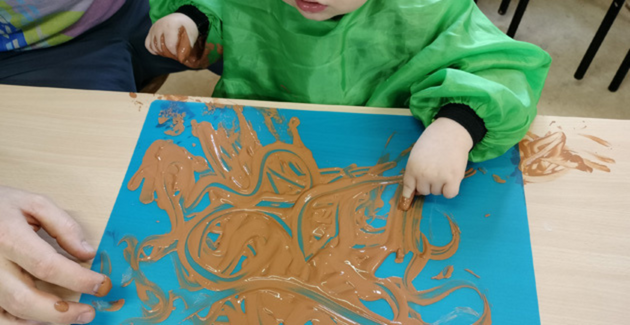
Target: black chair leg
<point x="612" y="13"/>
<point x="505" y="4"/>
<point x="518" y="15"/>
<point x="621" y="73"/>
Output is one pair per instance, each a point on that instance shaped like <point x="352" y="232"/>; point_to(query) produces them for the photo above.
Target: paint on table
<point x="546" y="158"/>
<point x="244" y="215"/>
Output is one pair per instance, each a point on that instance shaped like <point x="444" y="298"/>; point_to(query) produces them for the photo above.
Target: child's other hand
<point x="437" y="162"/>
<point x="165" y="37"/>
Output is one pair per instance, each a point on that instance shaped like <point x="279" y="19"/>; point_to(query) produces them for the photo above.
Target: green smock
<point x="420" y="54"/>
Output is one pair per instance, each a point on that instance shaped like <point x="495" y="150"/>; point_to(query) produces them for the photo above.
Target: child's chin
<point x="320" y="16"/>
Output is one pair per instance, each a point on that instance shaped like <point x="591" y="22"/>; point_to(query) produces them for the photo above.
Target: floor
<point x="563" y="28"/>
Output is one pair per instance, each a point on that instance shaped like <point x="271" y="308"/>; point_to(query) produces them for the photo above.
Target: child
<point x="474" y="88"/>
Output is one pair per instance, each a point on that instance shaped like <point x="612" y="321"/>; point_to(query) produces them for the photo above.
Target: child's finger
<point x="157" y="46"/>
<point x="423" y="187"/>
<point x="451" y="189"/>
<point x="408" y="191"/>
<point x="147" y="43"/>
<point x="436" y="188"/>
<point x="171" y="38"/>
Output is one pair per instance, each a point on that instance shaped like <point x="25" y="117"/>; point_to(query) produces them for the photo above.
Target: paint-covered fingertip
<point x="405" y="203"/>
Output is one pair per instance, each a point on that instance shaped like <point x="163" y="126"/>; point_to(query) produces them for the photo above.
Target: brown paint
<point x="111" y="306"/>
<point x="446" y="273"/>
<point x="104" y="288"/>
<point x="470" y="172"/>
<point x="487" y="215"/>
<point x="602" y="158"/>
<point x="405" y="203"/>
<point x="193" y="56"/>
<point x="62" y="306"/>
<point x="329" y="208"/>
<point x="177" y="122"/>
<point x="271" y="116"/>
<point x="498" y="179"/>
<point x="175" y="98"/>
<point x="482" y="170"/>
<point x="545" y="158"/>
<point x="133" y="95"/>
<point x="596" y="139"/>
<point x="473" y="273"/>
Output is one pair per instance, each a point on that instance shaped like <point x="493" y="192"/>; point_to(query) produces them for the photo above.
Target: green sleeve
<point x="474" y="63"/>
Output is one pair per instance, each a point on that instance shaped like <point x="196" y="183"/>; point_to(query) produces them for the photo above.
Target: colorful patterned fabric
<point x="31" y="24"/>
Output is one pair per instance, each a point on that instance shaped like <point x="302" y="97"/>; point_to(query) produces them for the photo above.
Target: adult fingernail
<point x="85" y="318"/>
<point x="405" y="203"/>
<point x="88" y="248"/>
<point x="62" y="306"/>
<point x="102" y="289"/>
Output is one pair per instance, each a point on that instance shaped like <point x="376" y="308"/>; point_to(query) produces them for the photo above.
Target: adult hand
<point x="437" y="162"/>
<point x="25" y="256"/>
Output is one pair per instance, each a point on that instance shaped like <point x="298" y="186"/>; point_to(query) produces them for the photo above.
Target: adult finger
<point x="28" y="303"/>
<point x="59" y="225"/>
<point x="33" y="254"/>
<point x="8" y="319"/>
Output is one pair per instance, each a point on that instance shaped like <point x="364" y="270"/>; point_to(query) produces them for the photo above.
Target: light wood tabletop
<point x="75" y="146"/>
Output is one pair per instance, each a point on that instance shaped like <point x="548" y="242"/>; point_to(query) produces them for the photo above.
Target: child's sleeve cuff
<point x="466" y="117"/>
<point x="200" y="19"/>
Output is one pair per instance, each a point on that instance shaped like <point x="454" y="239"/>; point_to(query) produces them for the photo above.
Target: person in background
<point x="474" y="88"/>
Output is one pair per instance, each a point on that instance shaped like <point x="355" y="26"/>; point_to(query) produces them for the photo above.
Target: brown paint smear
<point x="473" y="273"/>
<point x="62" y="306"/>
<point x="177" y="121"/>
<point x="498" y="179"/>
<point x="445" y="274"/>
<point x="104" y="288"/>
<point x="546" y="158"/>
<point x="596" y="139"/>
<point x="195" y="57"/>
<point x="109" y="306"/>
<point x="176" y="98"/>
<point x="470" y="172"/>
<point x="310" y="252"/>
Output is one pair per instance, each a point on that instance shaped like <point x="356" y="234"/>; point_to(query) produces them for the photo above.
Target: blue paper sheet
<point x="489" y="211"/>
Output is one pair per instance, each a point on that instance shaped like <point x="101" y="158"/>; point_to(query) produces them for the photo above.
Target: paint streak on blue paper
<point x="492" y="218"/>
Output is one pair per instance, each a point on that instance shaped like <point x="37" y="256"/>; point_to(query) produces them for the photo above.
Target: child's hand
<point x="437" y="162"/>
<point x="172" y="36"/>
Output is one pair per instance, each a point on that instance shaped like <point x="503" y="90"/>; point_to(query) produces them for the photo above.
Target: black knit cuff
<point x="467" y="117"/>
<point x="200" y="19"/>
